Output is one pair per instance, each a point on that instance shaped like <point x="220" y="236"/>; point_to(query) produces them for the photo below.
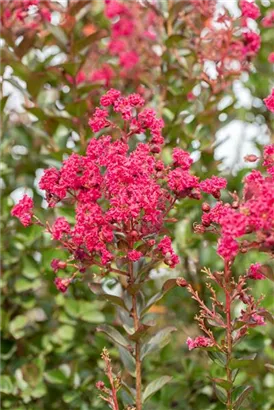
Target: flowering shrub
<point x="241" y="226"/>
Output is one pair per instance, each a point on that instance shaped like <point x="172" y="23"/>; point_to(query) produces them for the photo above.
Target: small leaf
<point x="238" y="364"/>
<point x="96" y="288"/>
<point x="168" y="285"/>
<point x="128" y="361"/>
<point x="225" y="384"/>
<point x="17" y="325"/>
<point x="56" y="376"/>
<point x="241" y="398"/>
<point x="158" y="341"/>
<point x="141" y="331"/>
<point x="114" y="335"/>
<point x="154" y="386"/>
<point x="6" y="385"/>
<point x="220" y="393"/>
<point x="217" y="357"/>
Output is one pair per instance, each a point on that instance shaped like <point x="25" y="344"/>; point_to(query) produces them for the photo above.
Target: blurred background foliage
<point x="50" y="348"/>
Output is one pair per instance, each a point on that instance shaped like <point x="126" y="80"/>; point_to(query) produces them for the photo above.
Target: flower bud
<point x="100" y="385"/>
<point x="181" y="282"/>
<point x="205" y="207"/>
<point x="251" y="158"/>
<point x="155" y="149"/>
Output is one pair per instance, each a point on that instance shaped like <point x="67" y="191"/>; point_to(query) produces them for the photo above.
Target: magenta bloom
<point x="269" y="101"/>
<point x="249" y="9"/>
<point x="182" y="159"/>
<point x="60" y="227"/>
<point x="23" y="210"/>
<point x="271" y="58"/>
<point x="199" y="341"/>
<point x="62" y="284"/>
<point x="255" y="273"/>
<point x="258" y="319"/>
<point x="134" y="255"/>
<point x="213" y="185"/>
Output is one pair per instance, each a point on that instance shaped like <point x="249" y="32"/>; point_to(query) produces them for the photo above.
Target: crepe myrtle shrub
<point x="244" y="224"/>
<point x="121" y="193"/>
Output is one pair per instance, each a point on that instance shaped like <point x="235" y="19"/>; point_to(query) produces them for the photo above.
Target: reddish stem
<point x="228" y="333"/>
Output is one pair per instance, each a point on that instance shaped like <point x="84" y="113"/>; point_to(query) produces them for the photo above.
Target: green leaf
<point x="17" y="325"/>
<point x="238" y="364"/>
<point x="128" y="361"/>
<point x="30" y="268"/>
<point x="6" y="385"/>
<point x="217" y="357"/>
<point x="96" y="288"/>
<point x="168" y="285"/>
<point x="114" y="335"/>
<point x="56" y="376"/>
<point x="60" y="36"/>
<point x="242" y="396"/>
<point x="154" y="386"/>
<point x="158" y="341"/>
<point x="225" y="384"/>
<point x="220" y="393"/>
<point x="70" y="396"/>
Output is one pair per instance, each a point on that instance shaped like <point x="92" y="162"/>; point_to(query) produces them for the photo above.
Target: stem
<point x="228" y="333"/>
<point x="138" y="380"/>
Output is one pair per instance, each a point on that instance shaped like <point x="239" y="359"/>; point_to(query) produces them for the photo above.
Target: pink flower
<point x="134" y="255"/>
<point x="165" y="247"/>
<point x="213" y="185"/>
<point x="110" y="97"/>
<point x="62" y="284"/>
<point x="255" y="273"/>
<point x="268" y="155"/>
<point x="199" y="341"/>
<point x="99" y="120"/>
<point x="271" y="58"/>
<point x="268" y="20"/>
<point x="23" y="210"/>
<point x="258" y="319"/>
<point x="104" y="74"/>
<point x="181" y="159"/>
<point x="269" y="101"/>
<point x="80" y="78"/>
<point x="57" y="264"/>
<point x="129" y="59"/>
<point x="190" y="96"/>
<point x="60" y="227"/>
<point x="252" y="43"/>
<point x="227" y="248"/>
<point x="250" y="9"/>
<point x="181" y="181"/>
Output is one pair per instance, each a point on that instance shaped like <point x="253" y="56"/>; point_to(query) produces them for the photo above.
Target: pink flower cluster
<point x="227" y="42"/>
<point x="133" y="29"/>
<point x="250" y="9"/>
<point x="120" y="190"/>
<point x="23" y="210"/>
<point x="269" y="101"/>
<point x="17" y="12"/>
<point x="268" y="20"/>
<point x="199" y="341"/>
<point x="253" y="214"/>
<point x="255" y="272"/>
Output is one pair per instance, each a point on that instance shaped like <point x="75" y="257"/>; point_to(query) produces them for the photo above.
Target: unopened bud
<point x="235" y="204"/>
<point x="100" y="385"/>
<point x="181" y="282"/>
<point x="251" y="158"/>
<point x="205" y="207"/>
<point x="155" y="149"/>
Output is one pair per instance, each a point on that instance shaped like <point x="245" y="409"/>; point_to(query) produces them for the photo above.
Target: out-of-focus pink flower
<point x="62" y="284"/>
<point x="268" y="20"/>
<point x="254" y="272"/>
<point x="129" y="59"/>
<point x="250" y="9"/>
<point x="258" y="319"/>
<point x="134" y="255"/>
<point x="199" y="341"/>
<point x="23" y="210"/>
<point x="271" y="58"/>
<point x="269" y="101"/>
